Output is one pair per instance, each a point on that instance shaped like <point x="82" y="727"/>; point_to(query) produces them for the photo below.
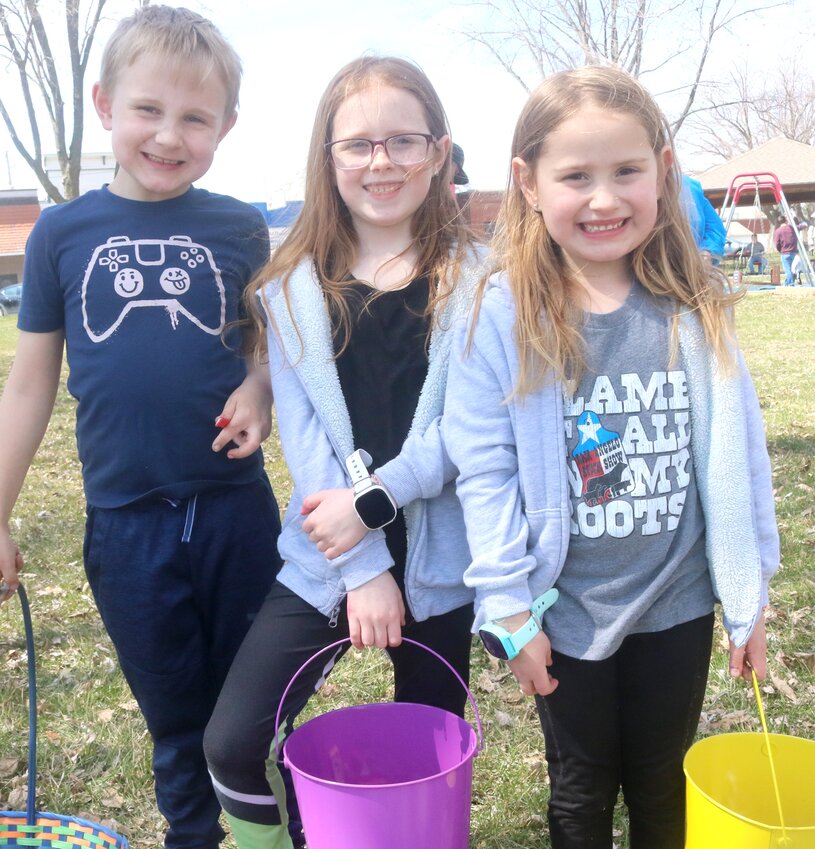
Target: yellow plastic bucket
<point x="731" y="802"/>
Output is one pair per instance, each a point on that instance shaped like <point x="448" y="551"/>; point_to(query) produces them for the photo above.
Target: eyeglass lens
<point x="405" y="149"/>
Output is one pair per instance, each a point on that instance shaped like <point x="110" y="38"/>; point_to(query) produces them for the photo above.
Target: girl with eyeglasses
<point x="360" y="301"/>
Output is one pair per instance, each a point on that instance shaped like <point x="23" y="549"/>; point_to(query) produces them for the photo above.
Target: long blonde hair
<point x="667" y="263"/>
<point x="324" y="231"/>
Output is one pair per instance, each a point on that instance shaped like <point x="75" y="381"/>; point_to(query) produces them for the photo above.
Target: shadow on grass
<point x="787" y="443"/>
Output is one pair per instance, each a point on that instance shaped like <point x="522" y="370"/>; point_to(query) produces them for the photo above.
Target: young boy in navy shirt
<point x="141" y="282"/>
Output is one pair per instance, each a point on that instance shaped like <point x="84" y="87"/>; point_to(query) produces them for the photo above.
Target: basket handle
<point x="31" y="801"/>
<point x="334" y="645"/>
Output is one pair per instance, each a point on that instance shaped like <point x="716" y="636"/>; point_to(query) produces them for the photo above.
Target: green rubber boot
<point x="252" y="835"/>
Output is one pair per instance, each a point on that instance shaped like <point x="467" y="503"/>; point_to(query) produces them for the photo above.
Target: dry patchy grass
<point x="95" y="759"/>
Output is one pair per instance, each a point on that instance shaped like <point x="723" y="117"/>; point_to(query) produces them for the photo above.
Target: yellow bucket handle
<point x="784" y="841"/>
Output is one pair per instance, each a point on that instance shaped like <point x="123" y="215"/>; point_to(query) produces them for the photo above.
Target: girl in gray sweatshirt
<point x="360" y="300"/>
<point x="610" y="445"/>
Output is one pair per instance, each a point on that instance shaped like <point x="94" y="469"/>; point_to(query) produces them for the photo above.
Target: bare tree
<point x="30" y="50"/>
<point x="551" y="35"/>
<point x="750" y="109"/>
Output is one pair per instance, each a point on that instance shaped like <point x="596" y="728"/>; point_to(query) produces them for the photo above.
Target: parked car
<point x="735" y="248"/>
<point x="10" y="299"/>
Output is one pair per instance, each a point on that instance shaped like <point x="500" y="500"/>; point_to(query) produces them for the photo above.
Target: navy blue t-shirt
<point x="143" y="292"/>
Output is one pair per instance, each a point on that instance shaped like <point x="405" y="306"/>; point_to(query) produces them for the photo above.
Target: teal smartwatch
<point x="501" y="644"/>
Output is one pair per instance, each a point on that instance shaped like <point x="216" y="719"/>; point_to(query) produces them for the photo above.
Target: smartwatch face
<point x="493" y="644"/>
<point x="375" y="508"/>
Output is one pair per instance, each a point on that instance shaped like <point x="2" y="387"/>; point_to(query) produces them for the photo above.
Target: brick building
<point x="19" y="210"/>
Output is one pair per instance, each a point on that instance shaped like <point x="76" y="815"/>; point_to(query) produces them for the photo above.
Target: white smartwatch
<point x="373" y="503"/>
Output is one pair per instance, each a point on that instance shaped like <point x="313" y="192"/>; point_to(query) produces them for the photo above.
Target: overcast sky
<point x="291" y="48"/>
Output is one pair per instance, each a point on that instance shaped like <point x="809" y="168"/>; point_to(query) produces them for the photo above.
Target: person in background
<point x="706" y="226"/>
<point x="786" y="243"/>
<point x="590" y="410"/>
<point x="802" y="228"/>
<point x="758" y="262"/>
<point x="460" y="182"/>
<point x="460" y="178"/>
<point x="140" y="281"/>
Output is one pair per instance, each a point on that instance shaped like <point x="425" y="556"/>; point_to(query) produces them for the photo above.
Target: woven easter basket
<point x="41" y="828"/>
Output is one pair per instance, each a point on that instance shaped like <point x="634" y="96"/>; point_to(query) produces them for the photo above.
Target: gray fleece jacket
<point x="316" y="436"/>
<point x="513" y="482"/>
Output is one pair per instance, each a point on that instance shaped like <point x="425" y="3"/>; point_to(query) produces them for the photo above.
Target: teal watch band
<point x="543" y="602"/>
<point x="505" y="645"/>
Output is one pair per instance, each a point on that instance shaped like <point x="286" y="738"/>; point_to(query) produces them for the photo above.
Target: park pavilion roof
<point x="791" y="161"/>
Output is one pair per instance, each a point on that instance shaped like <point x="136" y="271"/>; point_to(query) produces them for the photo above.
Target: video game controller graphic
<point x="175" y="274"/>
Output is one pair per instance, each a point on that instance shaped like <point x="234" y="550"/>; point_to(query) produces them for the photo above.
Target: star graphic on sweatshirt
<point x="588" y="429"/>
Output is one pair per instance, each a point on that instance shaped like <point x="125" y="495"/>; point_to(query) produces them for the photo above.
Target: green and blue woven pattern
<point x="57" y="832"/>
<point x="38" y="828"/>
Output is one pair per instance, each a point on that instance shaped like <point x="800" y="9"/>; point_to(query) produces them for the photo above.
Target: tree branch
<point x="28" y="46"/>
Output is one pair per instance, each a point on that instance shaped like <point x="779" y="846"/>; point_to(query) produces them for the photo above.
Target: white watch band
<point x="357" y="465"/>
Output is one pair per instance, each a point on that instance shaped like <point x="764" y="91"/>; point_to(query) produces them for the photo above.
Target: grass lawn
<point x="94" y="752"/>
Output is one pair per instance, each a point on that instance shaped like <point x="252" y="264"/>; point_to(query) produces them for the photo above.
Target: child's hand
<point x="332" y="523"/>
<point x="530" y="667"/>
<point x="246" y="419"/>
<point x="752" y="655"/>
<point x="376" y="613"/>
<point x="11" y="564"/>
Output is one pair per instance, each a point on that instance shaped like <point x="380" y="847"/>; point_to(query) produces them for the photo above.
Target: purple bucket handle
<point x="334" y="645"/>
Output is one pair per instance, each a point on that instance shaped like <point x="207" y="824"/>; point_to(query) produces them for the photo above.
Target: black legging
<point x="627" y="722"/>
<point x="286" y="632"/>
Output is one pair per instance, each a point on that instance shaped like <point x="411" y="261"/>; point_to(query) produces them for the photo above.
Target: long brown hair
<point x="667" y="263"/>
<point x="324" y="231"/>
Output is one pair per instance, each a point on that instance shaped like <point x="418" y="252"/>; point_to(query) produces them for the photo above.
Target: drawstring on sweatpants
<point x="190" y="520"/>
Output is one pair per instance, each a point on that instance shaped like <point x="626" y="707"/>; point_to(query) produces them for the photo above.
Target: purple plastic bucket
<point x="393" y="775"/>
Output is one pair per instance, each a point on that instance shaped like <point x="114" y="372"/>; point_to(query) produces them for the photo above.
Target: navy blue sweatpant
<point x="177" y="585"/>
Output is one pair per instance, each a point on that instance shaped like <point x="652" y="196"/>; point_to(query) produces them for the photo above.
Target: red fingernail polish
<point x="222" y="421"/>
